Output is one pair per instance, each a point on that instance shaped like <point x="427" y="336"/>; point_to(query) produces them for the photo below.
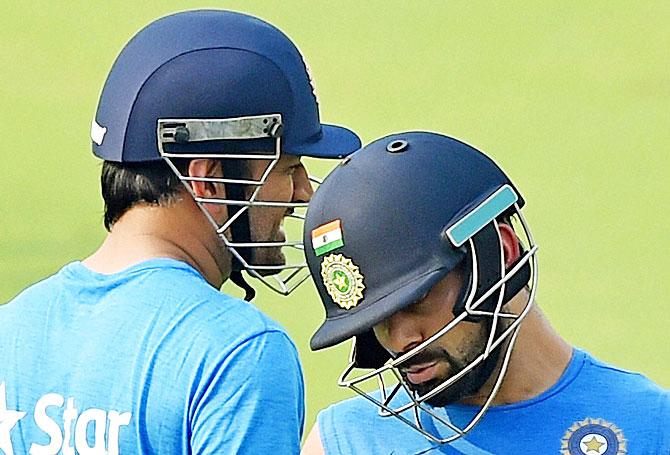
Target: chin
<point x="450" y="395"/>
<point x="467" y="386"/>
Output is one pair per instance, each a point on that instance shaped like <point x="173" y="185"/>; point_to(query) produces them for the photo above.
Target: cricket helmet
<point x="388" y="224"/>
<point x="214" y="84"/>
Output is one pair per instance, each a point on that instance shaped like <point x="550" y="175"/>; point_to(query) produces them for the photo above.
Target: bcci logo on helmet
<point x="343" y="280"/>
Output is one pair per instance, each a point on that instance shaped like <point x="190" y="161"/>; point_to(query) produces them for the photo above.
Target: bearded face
<point x="448" y="355"/>
<point x="437" y="364"/>
<point x="287" y="182"/>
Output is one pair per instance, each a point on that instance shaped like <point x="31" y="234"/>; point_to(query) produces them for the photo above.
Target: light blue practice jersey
<point x="594" y="409"/>
<point x="149" y="360"/>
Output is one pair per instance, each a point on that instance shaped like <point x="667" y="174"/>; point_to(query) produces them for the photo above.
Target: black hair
<point x="125" y="185"/>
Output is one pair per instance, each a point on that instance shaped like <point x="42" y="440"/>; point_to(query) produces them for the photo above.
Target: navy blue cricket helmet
<point x="218" y="85"/>
<point x="395" y="203"/>
<point x="210" y="64"/>
<point x="386" y="226"/>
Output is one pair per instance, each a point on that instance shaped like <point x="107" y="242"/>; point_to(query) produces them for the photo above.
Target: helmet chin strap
<point x="489" y="273"/>
<point x="240" y="230"/>
<point x="238" y="279"/>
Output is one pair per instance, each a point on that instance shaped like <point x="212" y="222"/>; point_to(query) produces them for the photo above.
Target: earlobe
<point x="510" y="244"/>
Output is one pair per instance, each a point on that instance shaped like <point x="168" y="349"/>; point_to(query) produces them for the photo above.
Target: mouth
<point x="418" y="374"/>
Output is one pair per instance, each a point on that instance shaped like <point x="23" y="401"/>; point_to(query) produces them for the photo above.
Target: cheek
<point x="265" y="219"/>
<point x="278" y="188"/>
<point x="474" y="342"/>
<point x="465" y="341"/>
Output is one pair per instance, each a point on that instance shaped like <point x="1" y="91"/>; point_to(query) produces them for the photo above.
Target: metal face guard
<point x="182" y="131"/>
<point x="416" y="404"/>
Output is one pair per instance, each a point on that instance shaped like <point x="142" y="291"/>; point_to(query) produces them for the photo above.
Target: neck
<point x="176" y="231"/>
<point x="538" y="359"/>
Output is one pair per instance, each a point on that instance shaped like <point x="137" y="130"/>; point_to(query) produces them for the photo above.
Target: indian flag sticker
<point x="327" y="237"/>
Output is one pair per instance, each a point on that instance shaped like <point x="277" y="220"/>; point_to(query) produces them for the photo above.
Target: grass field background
<point x="571" y="98"/>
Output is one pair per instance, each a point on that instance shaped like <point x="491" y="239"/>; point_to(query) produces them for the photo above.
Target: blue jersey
<point x="594" y="409"/>
<point x="149" y="360"/>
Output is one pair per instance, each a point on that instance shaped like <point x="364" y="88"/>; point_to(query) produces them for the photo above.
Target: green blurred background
<point x="572" y="98"/>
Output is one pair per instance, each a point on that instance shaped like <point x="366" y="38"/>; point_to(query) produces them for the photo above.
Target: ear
<point x="510" y="244"/>
<point x="206" y="168"/>
<point x="302" y="188"/>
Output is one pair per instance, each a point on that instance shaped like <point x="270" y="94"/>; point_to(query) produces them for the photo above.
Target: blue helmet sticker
<point x="482" y="215"/>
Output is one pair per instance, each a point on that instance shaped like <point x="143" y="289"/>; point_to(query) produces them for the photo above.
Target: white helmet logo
<point x="309" y="77"/>
<point x="97" y="132"/>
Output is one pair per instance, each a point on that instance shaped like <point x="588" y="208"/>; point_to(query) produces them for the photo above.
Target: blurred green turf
<point x="571" y="98"/>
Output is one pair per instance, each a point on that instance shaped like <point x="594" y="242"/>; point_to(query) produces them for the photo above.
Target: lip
<point x="421" y="373"/>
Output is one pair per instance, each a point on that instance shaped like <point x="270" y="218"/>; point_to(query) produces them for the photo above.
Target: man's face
<point x="287" y="182"/>
<point x="449" y="354"/>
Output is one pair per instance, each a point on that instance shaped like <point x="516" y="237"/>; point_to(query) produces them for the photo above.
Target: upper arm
<point x="313" y="445"/>
<point x="253" y="402"/>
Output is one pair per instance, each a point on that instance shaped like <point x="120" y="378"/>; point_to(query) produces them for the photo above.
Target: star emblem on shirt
<point x="593" y="444"/>
<point x="593" y="436"/>
<point x="8" y="419"/>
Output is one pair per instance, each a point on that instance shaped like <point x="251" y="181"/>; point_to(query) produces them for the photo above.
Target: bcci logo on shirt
<point x="593" y="437"/>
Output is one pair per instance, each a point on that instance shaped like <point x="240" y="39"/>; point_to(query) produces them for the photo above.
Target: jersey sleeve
<point x="253" y="402"/>
<point x="664" y="424"/>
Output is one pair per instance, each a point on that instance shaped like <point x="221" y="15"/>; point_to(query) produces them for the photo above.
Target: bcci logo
<point x="593" y="437"/>
<point x="343" y="280"/>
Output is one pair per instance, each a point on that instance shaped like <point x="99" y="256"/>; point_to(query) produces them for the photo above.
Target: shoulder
<point x="636" y="405"/>
<point x="634" y="402"/>
<point x="362" y="409"/>
<point x="340" y="424"/>
<point x="31" y="298"/>
<point x="615" y="379"/>
<point x="224" y="333"/>
<point x="185" y="301"/>
<point x="36" y="290"/>
<point x="355" y="426"/>
<point x="356" y="409"/>
<point x="216" y="318"/>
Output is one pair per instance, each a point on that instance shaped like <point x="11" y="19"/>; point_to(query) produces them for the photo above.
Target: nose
<point x="302" y="188"/>
<point x="400" y="332"/>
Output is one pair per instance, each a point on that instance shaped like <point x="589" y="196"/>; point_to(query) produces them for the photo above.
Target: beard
<point x="470" y="383"/>
<point x="262" y="231"/>
<point x="466" y="386"/>
<point x="268" y="256"/>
